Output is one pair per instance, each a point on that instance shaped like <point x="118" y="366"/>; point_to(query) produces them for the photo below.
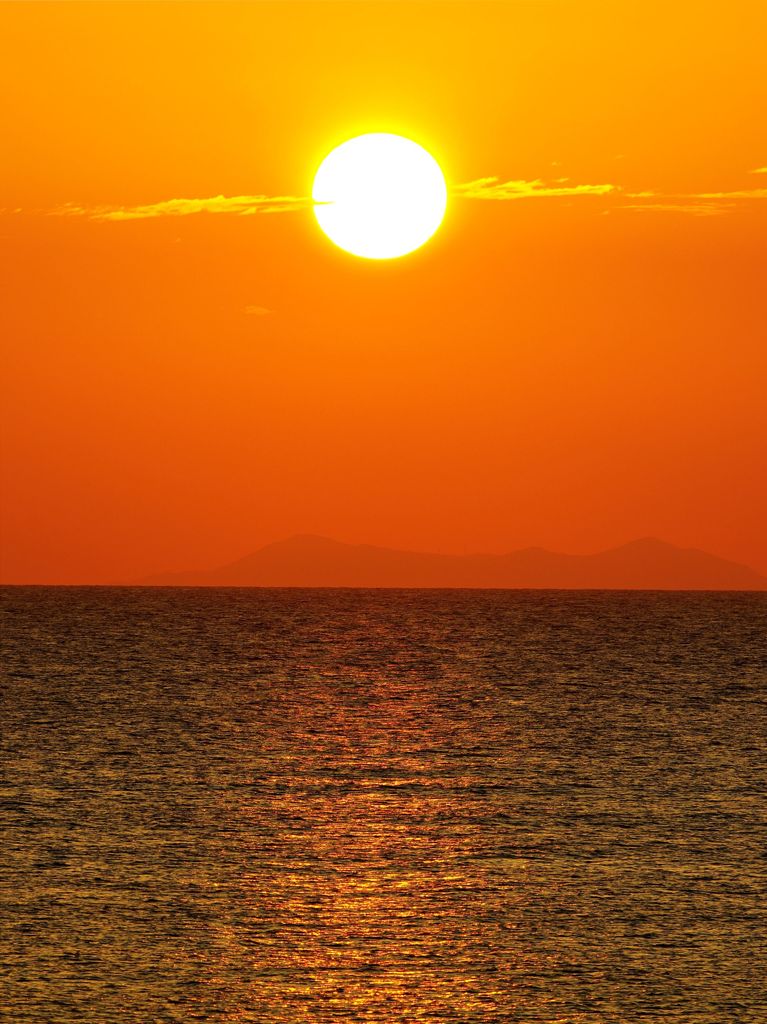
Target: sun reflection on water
<point x="375" y="889"/>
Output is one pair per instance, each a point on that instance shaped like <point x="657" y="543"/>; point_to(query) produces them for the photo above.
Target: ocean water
<point x="382" y="806"/>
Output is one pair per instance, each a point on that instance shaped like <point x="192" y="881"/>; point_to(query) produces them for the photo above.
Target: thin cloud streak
<point x="746" y="193"/>
<point x="242" y="206"/>
<point x="699" y="204"/>
<point x="693" y="209"/>
<point x="495" y="189"/>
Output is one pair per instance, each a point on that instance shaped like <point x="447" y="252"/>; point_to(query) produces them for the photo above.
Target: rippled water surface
<point x="382" y="806"/>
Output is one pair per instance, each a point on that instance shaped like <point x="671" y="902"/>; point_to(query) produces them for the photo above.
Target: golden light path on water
<point x="381" y="915"/>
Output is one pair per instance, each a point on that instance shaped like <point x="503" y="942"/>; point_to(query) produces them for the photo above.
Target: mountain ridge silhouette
<point x="311" y="560"/>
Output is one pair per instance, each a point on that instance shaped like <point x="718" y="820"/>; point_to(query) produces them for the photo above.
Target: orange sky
<point x="570" y="371"/>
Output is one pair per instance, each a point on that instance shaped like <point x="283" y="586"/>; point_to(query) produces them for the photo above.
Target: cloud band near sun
<point x="242" y="206"/>
<point x="485" y="189"/>
<point x="494" y="188"/>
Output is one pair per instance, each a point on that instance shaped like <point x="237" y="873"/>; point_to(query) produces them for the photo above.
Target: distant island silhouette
<point x="313" y="561"/>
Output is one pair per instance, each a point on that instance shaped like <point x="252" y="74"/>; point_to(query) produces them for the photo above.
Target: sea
<point x="323" y="806"/>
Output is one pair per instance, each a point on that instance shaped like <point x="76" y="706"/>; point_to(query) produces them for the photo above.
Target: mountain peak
<point x="647" y="542"/>
<point x="304" y="540"/>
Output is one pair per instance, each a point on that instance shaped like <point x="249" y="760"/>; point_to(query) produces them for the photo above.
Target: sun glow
<point x="379" y="196"/>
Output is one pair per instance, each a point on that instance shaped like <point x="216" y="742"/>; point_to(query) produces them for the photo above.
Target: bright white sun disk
<point x="379" y="196"/>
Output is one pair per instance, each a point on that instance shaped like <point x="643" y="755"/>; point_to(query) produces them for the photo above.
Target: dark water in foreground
<point x="382" y="806"/>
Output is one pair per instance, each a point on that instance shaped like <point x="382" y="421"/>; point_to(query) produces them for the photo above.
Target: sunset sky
<point x="191" y="369"/>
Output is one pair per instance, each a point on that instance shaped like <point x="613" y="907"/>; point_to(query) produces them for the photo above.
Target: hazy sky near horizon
<point x="191" y="369"/>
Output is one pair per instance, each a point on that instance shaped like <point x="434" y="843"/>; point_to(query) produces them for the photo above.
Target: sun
<point x="379" y="196"/>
